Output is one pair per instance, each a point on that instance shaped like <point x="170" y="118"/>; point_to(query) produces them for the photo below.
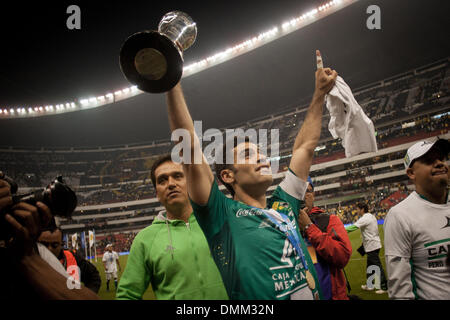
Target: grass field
<point x="355" y="271"/>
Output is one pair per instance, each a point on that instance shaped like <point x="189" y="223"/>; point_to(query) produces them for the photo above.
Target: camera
<point x="58" y="196"/>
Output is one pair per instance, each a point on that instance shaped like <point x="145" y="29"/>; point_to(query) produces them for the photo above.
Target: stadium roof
<point x="45" y="63"/>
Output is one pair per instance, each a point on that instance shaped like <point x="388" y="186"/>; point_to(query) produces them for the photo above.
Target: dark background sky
<point x="42" y="62"/>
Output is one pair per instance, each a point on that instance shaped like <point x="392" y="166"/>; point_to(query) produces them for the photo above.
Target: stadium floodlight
<point x="11" y="111"/>
<point x="101" y="98"/>
<point x="233" y="51"/>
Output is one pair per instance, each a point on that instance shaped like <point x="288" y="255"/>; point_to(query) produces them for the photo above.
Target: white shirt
<point x="50" y="258"/>
<point x="369" y="232"/>
<point x="110" y="260"/>
<point x="417" y="242"/>
<point x="349" y="122"/>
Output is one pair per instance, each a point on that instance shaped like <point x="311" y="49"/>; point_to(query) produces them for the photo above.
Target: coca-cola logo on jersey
<point x="248" y="212"/>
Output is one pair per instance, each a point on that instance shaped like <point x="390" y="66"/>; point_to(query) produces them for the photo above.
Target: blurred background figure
<point x="110" y="262"/>
<point x="371" y="246"/>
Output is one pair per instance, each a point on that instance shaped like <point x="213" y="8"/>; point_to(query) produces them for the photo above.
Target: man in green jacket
<point x="172" y="254"/>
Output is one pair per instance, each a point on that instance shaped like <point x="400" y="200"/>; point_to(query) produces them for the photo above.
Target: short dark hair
<point x="228" y="146"/>
<point x="162" y="159"/>
<point x="363" y="206"/>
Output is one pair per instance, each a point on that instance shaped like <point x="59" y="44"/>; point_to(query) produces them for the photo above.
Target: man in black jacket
<point x="27" y="272"/>
<point x="89" y="274"/>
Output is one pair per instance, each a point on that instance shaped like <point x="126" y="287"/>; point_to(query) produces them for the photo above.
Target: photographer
<point x="70" y="259"/>
<point x="25" y="273"/>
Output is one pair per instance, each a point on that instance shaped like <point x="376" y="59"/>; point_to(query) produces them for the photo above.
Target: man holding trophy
<point x="254" y="241"/>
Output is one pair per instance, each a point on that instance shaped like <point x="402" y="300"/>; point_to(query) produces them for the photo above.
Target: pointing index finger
<point x="319" y="60"/>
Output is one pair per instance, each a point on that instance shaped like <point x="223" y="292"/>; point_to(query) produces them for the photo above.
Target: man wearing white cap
<point x="110" y="262"/>
<point x="417" y="230"/>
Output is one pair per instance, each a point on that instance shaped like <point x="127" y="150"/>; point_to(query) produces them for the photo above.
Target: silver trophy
<point x="153" y="60"/>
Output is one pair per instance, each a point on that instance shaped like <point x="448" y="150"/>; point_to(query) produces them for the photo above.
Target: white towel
<point x="349" y="122"/>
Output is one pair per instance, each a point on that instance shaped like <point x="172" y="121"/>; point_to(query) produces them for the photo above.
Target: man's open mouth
<point x="437" y="173"/>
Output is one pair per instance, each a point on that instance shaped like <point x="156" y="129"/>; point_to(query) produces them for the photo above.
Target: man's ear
<point x="227" y="176"/>
<point x="410" y="173"/>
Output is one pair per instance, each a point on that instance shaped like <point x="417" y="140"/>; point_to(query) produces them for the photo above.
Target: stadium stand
<point x="117" y="199"/>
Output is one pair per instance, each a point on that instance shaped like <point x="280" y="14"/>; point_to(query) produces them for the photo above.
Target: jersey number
<point x="286" y="256"/>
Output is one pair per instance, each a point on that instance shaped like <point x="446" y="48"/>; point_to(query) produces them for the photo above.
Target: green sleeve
<point x="212" y="216"/>
<point x="351" y="228"/>
<point x="136" y="276"/>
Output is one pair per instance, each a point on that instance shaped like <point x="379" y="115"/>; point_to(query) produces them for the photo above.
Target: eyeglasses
<point x="54" y="245"/>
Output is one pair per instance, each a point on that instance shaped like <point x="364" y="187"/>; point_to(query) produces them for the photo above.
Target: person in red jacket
<point x="329" y="246"/>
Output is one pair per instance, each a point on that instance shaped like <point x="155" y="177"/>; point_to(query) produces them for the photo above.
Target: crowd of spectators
<point x="136" y="185"/>
<point x="122" y="173"/>
<point x="121" y="242"/>
<point x="347" y="212"/>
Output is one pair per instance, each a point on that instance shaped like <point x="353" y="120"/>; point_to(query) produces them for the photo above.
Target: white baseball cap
<point x="108" y="245"/>
<point x="421" y="148"/>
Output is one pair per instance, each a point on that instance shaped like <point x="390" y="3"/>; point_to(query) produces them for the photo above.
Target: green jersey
<point x="255" y="258"/>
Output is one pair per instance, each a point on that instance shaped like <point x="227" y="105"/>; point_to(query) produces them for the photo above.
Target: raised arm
<point x="198" y="173"/>
<point x="309" y="134"/>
